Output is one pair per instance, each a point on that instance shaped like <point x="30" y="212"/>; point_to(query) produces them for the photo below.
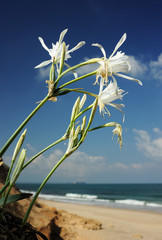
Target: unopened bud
<point x="18" y="145"/>
<point x="19" y="166"/>
<point x="83" y="125"/>
<point x="76" y="136"/>
<point x="75" y="109"/>
<point x="71" y="139"/>
<point x="82" y="101"/>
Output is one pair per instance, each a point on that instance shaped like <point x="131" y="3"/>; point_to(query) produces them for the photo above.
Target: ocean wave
<point x="81" y="196"/>
<point x="93" y="199"/>
<point x="154" y="205"/>
<point x="131" y="202"/>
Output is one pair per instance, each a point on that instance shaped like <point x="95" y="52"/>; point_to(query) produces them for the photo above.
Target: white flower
<point x="56" y="50"/>
<point x="118" y="131"/>
<point x="115" y="64"/>
<point x="108" y="95"/>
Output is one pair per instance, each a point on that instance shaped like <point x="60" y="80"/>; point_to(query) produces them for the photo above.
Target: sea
<point x="126" y="196"/>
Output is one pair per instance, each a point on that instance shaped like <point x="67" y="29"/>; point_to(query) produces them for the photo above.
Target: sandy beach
<point x="117" y="224"/>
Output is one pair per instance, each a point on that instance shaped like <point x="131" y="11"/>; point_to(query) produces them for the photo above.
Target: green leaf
<point x="4" y="187"/>
<point x="15" y="198"/>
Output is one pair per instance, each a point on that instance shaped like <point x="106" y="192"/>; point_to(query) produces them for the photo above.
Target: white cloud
<point x="30" y="147"/>
<point x="157" y="130"/>
<point x="43" y="163"/>
<point x="151" y="70"/>
<point x="152" y="148"/>
<point x="138" y="67"/>
<point x="120" y="166"/>
<point x="136" y="165"/>
<point x="79" y="166"/>
<point x="156" y="68"/>
<point x="43" y="73"/>
<point x="82" y="156"/>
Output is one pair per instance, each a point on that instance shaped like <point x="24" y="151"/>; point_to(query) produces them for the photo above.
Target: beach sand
<point x="117" y="224"/>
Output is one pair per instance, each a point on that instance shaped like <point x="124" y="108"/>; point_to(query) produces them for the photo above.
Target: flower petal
<point x="123" y="38"/>
<point x="118" y="106"/>
<point x="118" y="131"/>
<point x="62" y="35"/>
<point x="79" y="45"/>
<point x="43" y="64"/>
<point x="101" y="86"/>
<point x="129" y="78"/>
<point x="102" y="49"/>
<point x="43" y="44"/>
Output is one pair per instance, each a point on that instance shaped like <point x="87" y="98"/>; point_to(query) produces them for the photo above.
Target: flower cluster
<point x="116" y="65"/>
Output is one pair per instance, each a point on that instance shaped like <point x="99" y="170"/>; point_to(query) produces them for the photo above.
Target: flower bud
<point x="18" y="145"/>
<point x="71" y="139"/>
<point x="82" y="101"/>
<point x="76" y="136"/>
<point x="75" y="109"/>
<point x="83" y="124"/>
<point x="19" y="166"/>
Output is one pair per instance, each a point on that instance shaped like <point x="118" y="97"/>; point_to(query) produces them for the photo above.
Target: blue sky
<point x="99" y="159"/>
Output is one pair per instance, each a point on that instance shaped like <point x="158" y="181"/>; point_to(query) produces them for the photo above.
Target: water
<point x="130" y="196"/>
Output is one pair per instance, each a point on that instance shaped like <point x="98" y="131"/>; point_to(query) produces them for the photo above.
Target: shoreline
<point x="109" y="206"/>
<point x="117" y="223"/>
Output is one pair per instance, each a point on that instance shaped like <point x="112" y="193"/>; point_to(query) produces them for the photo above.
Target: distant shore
<point x="121" y="224"/>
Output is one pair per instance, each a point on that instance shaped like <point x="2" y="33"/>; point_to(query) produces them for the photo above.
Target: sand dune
<point x="117" y="224"/>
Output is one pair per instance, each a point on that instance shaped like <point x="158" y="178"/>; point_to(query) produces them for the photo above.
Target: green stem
<point x="4" y="187"/>
<point x="94" y="60"/>
<point x="52" y="72"/>
<point x="9" y="172"/>
<point x="110" y="124"/>
<point x="42" y="151"/>
<point x="41" y="186"/>
<point x="11" y="139"/>
<point x="6" y="197"/>
<point x="77" y="79"/>
<point x="86" y="109"/>
<point x="8" y="175"/>
<point x="80" y="91"/>
<point x="56" y="142"/>
<point x="59" y="162"/>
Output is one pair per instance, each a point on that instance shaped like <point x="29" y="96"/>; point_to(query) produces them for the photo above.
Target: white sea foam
<point x="131" y="202"/>
<point x="80" y="196"/>
<point x="93" y="199"/>
<point x="154" y="205"/>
